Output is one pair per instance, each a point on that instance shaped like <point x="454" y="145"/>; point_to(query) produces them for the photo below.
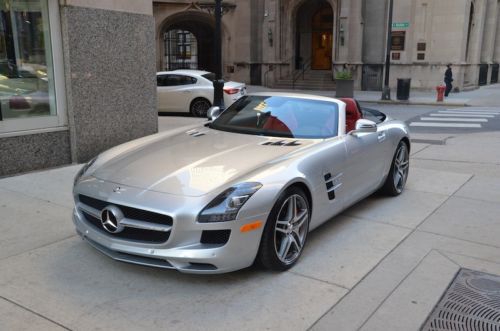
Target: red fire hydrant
<point x="440" y="92"/>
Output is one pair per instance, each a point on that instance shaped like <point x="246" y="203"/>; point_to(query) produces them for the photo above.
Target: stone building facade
<point x="76" y="77"/>
<point x="284" y="42"/>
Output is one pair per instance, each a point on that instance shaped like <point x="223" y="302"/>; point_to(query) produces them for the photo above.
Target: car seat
<point x="352" y="114"/>
<point x="281" y="120"/>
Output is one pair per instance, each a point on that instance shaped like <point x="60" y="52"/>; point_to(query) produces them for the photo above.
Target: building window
<point x="27" y="71"/>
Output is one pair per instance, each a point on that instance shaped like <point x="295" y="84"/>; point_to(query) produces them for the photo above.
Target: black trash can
<point x="403" y="92"/>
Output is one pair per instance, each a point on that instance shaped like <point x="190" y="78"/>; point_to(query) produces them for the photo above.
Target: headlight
<point x="226" y="205"/>
<point x="83" y="170"/>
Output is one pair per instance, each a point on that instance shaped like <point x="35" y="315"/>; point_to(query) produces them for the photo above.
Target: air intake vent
<point x="281" y="143"/>
<point x="217" y="237"/>
<point x="195" y="133"/>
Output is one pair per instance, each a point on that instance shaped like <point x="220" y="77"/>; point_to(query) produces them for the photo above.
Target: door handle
<point x="381" y="136"/>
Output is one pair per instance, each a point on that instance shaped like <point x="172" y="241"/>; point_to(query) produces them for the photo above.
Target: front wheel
<point x="286" y="231"/>
<point x="398" y="174"/>
<point x="199" y="107"/>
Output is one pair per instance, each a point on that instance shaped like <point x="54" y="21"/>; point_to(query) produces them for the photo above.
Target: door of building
<point x="322" y="44"/>
<point x="322" y="39"/>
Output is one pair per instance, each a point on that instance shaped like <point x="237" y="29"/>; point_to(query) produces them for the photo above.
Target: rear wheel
<point x="199" y="107"/>
<point x="398" y="174"/>
<point x="286" y="231"/>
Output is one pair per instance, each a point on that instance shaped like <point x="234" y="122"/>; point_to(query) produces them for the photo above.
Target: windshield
<point x="280" y="117"/>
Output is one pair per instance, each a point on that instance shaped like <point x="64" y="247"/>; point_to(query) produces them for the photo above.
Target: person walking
<point x="448" y="78"/>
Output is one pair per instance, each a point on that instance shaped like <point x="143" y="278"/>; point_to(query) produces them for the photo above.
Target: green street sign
<point x="400" y="25"/>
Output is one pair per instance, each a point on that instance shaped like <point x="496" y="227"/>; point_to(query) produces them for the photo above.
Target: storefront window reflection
<point x="26" y="69"/>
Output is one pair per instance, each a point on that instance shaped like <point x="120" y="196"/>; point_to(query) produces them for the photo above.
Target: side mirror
<point x="364" y="126"/>
<point x="213" y="113"/>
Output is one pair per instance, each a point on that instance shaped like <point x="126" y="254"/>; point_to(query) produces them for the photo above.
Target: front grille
<point x="129" y="233"/>
<point x="128" y="212"/>
<point x="219" y="237"/>
<point x="139" y="235"/>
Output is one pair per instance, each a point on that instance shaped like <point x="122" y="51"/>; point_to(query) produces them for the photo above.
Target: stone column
<point x="109" y="58"/>
<point x="490" y="29"/>
<point x="475" y="43"/>
<point x="356" y="40"/>
<point x="489" y="34"/>
<point x="345" y="29"/>
<point x="496" y="54"/>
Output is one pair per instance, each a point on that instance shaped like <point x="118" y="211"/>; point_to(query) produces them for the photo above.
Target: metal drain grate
<point x="472" y="302"/>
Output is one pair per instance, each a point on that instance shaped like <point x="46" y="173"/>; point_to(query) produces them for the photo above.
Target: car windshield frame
<point x="292" y="123"/>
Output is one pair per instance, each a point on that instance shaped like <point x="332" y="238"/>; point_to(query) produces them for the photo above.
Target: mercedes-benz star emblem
<point x="110" y="219"/>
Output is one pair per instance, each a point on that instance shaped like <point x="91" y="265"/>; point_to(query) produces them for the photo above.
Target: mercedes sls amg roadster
<point x="246" y="186"/>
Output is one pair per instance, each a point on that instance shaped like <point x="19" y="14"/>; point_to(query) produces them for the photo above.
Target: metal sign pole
<point x="218" y="82"/>
<point x="386" y="93"/>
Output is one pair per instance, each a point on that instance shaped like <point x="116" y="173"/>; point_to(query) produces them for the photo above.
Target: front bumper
<point x="183" y="250"/>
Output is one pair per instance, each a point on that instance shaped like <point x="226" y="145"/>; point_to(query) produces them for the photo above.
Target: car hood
<point x="194" y="163"/>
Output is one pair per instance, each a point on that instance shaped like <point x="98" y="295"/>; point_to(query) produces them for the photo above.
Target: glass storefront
<point x="27" y="84"/>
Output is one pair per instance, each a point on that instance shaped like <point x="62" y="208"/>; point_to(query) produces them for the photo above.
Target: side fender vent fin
<point x="332" y="184"/>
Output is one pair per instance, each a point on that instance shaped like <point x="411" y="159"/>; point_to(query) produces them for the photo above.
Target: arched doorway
<point x="314" y="35"/>
<point x="188" y="42"/>
<point x="322" y="38"/>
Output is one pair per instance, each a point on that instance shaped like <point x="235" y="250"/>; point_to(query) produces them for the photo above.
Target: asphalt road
<point x="428" y="119"/>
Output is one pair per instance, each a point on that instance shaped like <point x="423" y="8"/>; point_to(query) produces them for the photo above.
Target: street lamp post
<point x="218" y="82"/>
<point x="386" y="93"/>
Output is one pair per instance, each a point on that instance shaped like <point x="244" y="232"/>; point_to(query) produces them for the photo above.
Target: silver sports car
<point x="246" y="186"/>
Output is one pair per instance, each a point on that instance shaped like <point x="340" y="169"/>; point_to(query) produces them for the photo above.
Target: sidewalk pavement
<point x="381" y="265"/>
<point x="483" y="96"/>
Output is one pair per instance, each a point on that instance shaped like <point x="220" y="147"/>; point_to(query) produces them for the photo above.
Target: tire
<point x="199" y="107"/>
<point x="398" y="173"/>
<point x="286" y="230"/>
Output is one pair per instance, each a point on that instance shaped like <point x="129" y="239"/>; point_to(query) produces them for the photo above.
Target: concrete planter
<point x="344" y="88"/>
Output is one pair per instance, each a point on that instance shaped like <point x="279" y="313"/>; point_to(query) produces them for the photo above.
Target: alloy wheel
<point x="200" y="107"/>
<point x="401" y="166"/>
<point x="291" y="228"/>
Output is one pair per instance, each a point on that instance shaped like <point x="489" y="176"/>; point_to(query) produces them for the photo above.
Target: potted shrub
<point x="344" y="84"/>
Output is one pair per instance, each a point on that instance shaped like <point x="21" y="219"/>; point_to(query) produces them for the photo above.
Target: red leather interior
<point x="352" y="114"/>
<point x="274" y="124"/>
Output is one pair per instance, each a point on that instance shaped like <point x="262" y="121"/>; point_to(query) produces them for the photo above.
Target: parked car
<point x="36" y="103"/>
<point x="249" y="185"/>
<point x="192" y="91"/>
<point x="24" y="93"/>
